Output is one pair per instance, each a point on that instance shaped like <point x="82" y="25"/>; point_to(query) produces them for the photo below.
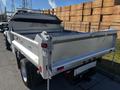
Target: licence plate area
<point x="83" y="68"/>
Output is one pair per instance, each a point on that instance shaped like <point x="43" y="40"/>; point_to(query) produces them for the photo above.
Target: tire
<point x="8" y="46"/>
<point x="29" y="73"/>
<point x="19" y="56"/>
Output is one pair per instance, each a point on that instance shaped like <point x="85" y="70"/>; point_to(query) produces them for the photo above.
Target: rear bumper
<point x="83" y="68"/>
<point x="75" y="62"/>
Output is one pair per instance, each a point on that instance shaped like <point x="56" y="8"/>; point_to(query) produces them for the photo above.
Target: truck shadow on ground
<point x="99" y="79"/>
<point x="109" y="66"/>
<point x="61" y="83"/>
<point x="56" y="83"/>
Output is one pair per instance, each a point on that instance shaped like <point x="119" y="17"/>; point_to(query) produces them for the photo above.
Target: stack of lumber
<point x="116" y="19"/>
<point x="96" y="15"/>
<point x="87" y="17"/>
<point x="92" y="16"/>
<point x="65" y="13"/>
<point x="107" y="11"/>
<point x="76" y="16"/>
<point x="57" y="12"/>
<point x="73" y="17"/>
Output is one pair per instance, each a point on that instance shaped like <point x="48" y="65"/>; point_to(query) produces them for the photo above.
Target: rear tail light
<point x="44" y="45"/>
<point x="60" y="69"/>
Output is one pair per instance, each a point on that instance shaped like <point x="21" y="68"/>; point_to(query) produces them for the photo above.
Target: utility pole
<point x="0" y="13"/>
<point x="1" y="9"/>
<point x="5" y="14"/>
<point x="13" y="6"/>
<point x="30" y="4"/>
<point x="23" y="4"/>
<point x="26" y="4"/>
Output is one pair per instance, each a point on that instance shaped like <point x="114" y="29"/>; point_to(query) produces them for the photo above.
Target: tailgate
<point x="71" y="51"/>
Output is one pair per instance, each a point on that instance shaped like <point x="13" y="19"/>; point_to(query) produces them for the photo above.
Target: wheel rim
<point x="23" y="72"/>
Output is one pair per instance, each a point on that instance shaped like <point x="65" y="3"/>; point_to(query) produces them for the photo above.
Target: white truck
<point x="44" y="49"/>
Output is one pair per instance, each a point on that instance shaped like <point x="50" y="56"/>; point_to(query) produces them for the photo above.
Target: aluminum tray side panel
<point x="66" y="50"/>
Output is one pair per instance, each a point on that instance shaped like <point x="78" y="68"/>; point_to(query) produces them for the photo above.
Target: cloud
<point x="52" y="3"/>
<point x="4" y="2"/>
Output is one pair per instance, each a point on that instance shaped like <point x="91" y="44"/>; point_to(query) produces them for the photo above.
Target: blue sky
<point x="40" y="4"/>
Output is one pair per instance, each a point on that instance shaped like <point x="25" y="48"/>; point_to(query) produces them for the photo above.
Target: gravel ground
<point x="10" y="78"/>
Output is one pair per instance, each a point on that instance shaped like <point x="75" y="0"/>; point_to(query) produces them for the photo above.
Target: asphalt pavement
<point x="10" y="78"/>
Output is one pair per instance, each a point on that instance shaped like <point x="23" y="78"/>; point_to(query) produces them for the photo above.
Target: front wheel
<point x="8" y="46"/>
<point x="29" y="73"/>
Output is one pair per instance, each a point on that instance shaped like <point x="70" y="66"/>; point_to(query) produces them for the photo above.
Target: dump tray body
<point x="63" y="48"/>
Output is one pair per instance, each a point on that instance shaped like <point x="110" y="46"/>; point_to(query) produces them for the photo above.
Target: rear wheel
<point x="29" y="73"/>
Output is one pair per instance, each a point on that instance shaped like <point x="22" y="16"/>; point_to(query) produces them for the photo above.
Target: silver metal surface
<point x="67" y="49"/>
<point x="74" y="62"/>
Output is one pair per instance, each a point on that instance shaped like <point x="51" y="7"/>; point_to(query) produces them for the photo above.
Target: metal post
<point x="113" y="58"/>
<point x="48" y="84"/>
<point x="48" y="79"/>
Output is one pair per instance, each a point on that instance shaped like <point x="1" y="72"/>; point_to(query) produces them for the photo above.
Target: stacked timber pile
<point x="116" y="19"/>
<point x="75" y="18"/>
<point x="96" y="15"/>
<point x="90" y="17"/>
